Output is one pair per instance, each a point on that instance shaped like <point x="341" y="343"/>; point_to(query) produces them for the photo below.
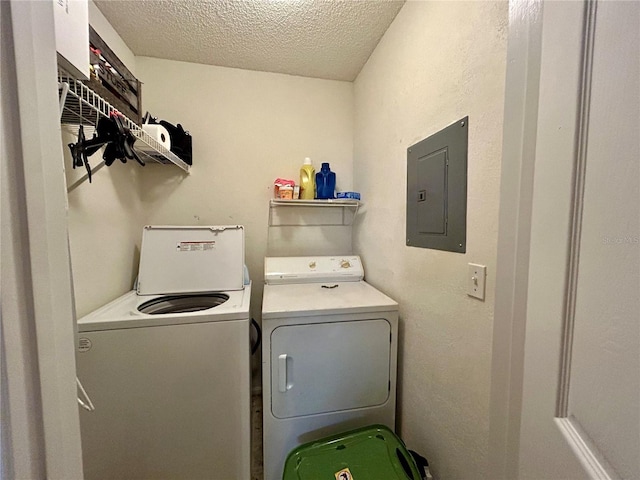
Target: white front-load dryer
<point x="166" y="366"/>
<point x="329" y="353"/>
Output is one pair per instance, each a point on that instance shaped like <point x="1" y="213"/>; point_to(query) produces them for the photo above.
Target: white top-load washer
<point x="329" y="353"/>
<point x="167" y="365"/>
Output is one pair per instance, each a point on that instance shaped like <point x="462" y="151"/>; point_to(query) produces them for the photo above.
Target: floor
<point x="256" y="437"/>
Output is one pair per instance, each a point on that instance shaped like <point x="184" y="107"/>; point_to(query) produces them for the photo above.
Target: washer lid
<point x="291" y="270"/>
<point x="176" y="259"/>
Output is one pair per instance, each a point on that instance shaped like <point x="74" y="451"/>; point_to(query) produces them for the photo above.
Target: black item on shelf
<point x="181" y="140"/>
<point x="121" y="140"/>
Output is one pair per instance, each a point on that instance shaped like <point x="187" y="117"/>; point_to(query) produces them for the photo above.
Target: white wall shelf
<point x="331" y="212"/>
<point x="79" y="105"/>
<point x="331" y="202"/>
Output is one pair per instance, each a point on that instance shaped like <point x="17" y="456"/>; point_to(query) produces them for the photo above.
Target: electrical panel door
<point x="437" y="190"/>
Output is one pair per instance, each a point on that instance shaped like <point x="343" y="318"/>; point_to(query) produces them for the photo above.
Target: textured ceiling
<point x="314" y="38"/>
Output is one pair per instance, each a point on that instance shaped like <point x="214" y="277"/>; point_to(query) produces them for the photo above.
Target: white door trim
<point x="516" y="200"/>
<point x="597" y="467"/>
<point x="44" y="218"/>
<point x="577" y="202"/>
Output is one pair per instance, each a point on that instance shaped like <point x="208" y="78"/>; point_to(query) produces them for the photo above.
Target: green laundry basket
<point x="369" y="453"/>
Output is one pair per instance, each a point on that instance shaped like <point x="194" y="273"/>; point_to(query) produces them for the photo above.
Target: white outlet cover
<point x="476" y="280"/>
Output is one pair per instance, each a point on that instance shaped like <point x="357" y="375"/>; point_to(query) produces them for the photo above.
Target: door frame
<point x="524" y="53"/>
<point x="38" y="320"/>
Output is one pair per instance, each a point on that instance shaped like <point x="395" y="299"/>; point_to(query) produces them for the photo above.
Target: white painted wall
<point x="106" y="216"/>
<point x="438" y="62"/>
<point x="248" y="128"/>
<point x="105" y="224"/>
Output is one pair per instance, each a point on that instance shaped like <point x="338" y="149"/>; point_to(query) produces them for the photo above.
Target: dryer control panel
<point x="320" y="269"/>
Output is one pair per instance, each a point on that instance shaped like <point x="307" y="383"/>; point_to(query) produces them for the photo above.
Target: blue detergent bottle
<point x="325" y="182"/>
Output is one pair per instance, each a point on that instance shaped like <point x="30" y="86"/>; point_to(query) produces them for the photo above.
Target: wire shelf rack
<point x="79" y="105"/>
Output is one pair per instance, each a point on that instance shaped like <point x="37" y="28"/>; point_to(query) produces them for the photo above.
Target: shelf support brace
<point x="63" y="96"/>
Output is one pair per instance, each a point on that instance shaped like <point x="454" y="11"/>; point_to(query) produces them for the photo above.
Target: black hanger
<point x="83" y="149"/>
<point x="121" y="140"/>
<point x="112" y="132"/>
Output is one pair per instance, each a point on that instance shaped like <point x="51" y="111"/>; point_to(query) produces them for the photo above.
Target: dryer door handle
<point x="282" y="373"/>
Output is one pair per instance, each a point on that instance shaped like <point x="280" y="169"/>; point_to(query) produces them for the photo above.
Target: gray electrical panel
<point x="437" y="190"/>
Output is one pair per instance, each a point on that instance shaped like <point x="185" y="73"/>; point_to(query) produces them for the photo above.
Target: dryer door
<point x="329" y="367"/>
